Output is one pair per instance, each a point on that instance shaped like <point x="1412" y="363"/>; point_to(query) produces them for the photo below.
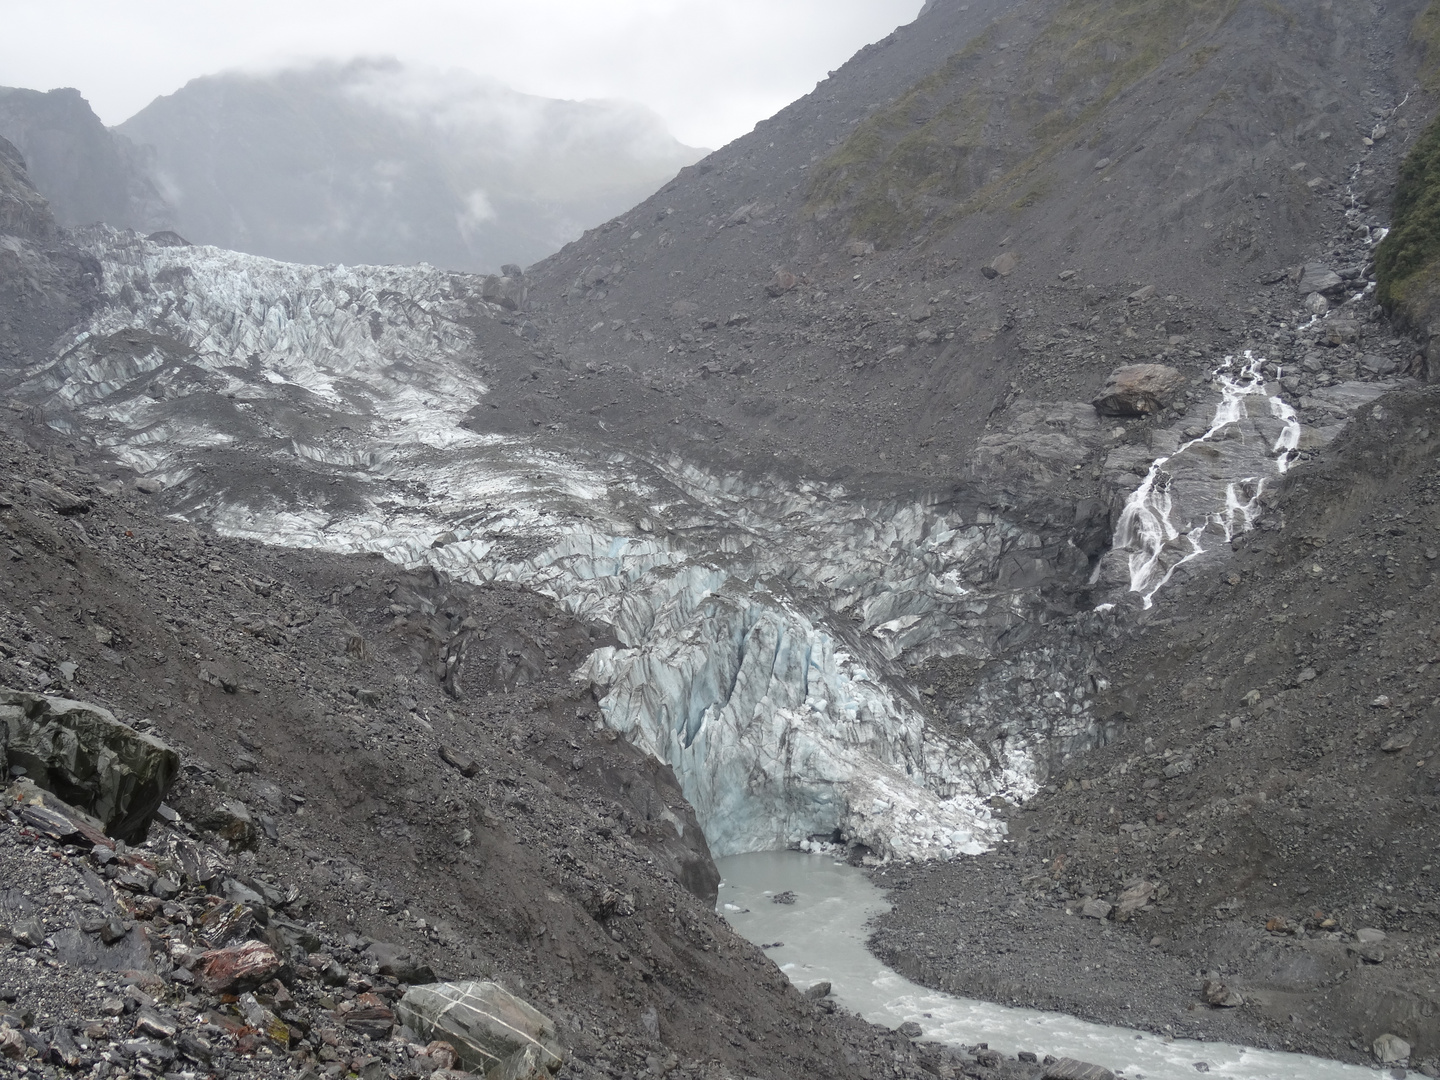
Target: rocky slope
<point x="46" y="283"/>
<point x="290" y="684"/>
<point x="1195" y="156"/>
<point x="1266" y="807"/>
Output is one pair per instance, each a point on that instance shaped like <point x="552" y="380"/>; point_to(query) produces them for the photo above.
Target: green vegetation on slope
<point x="1426" y="34"/>
<point x="1407" y="262"/>
<point x="970" y="129"/>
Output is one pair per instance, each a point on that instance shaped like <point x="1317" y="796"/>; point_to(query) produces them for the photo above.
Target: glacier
<point x="765" y="624"/>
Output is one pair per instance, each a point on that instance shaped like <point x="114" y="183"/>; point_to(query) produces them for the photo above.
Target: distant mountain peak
<point x="375" y="161"/>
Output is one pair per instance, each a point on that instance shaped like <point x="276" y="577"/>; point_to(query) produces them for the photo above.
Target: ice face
<point x="761" y="622"/>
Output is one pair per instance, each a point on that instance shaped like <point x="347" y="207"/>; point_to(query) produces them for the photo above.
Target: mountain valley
<point x="997" y="471"/>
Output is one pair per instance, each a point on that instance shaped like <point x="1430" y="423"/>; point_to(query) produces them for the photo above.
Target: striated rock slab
<point x="489" y="1027"/>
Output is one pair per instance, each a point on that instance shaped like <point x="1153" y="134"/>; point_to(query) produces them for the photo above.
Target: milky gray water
<point x="823" y="935"/>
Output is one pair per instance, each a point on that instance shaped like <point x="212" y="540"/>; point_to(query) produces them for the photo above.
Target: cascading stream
<point x="1159" y="534"/>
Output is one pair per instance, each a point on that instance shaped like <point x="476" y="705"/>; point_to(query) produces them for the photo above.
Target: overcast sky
<point x="710" y="68"/>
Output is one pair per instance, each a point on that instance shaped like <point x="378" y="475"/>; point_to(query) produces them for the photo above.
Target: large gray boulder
<point x="491" y="1029"/>
<point x="1319" y="278"/>
<point x="510" y="293"/>
<point x="88" y="758"/>
<point x="1138" y="390"/>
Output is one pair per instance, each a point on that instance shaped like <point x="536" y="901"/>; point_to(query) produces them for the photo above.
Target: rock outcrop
<point x="23" y="212"/>
<point x="86" y="171"/>
<point x="88" y="758"/>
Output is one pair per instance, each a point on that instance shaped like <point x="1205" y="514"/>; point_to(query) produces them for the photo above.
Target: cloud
<point x="477" y="212"/>
<point x="709" y="70"/>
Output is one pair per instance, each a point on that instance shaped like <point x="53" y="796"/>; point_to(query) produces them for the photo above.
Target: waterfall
<point x="1162" y="532"/>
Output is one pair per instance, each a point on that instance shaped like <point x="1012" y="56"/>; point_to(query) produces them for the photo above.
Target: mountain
<point x="86" y="172"/>
<point x="47" y="284"/>
<point x="1000" y="470"/>
<point x="1193" y="156"/>
<point x="374" y="162"/>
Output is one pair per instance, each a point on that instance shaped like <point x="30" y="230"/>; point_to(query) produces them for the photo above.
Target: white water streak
<point x="1147" y="528"/>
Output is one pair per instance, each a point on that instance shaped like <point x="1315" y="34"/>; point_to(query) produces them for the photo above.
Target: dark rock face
<point x="87" y="172"/>
<point x="23" y="211"/>
<point x="46" y="283"/>
<point x="88" y="758"/>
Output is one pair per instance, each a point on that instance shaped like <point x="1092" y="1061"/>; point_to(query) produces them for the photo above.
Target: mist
<point x="710" y="71"/>
<point x="377" y="161"/>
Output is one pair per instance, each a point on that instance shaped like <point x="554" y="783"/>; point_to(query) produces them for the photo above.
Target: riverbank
<point x="816" y="932"/>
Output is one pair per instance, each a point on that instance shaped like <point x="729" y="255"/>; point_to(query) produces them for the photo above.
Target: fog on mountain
<point x="364" y="162"/>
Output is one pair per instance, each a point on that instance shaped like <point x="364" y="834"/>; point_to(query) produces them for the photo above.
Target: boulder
<point x="1133" y="899"/>
<point x="488" y="1026"/>
<point x="782" y="283"/>
<point x="399" y="963"/>
<point x="241" y="967"/>
<point x="459" y="760"/>
<point x="1003" y="265"/>
<point x="47" y="812"/>
<point x="231" y="822"/>
<point x="508" y="292"/>
<point x="61" y="501"/>
<point x="1340" y="332"/>
<point x="89" y="759"/>
<point x="1070" y="1069"/>
<point x="1319" y="278"/>
<point x="1138" y="390"/>
<point x="1391" y="1049"/>
<point x="1220" y="995"/>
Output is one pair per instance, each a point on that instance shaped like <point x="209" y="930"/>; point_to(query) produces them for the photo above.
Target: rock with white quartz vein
<point x="484" y="1022"/>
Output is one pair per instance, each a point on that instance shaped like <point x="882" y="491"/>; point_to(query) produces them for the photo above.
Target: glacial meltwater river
<point x="823" y="935"/>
